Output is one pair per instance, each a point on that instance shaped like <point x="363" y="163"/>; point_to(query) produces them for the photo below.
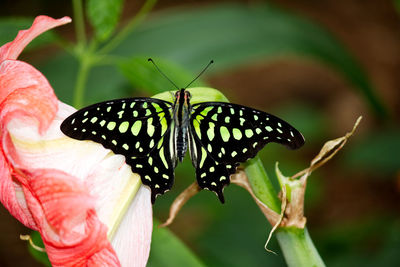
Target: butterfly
<point x="154" y="134"/>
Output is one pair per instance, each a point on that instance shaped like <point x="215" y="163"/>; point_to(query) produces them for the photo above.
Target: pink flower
<point x="88" y="206"/>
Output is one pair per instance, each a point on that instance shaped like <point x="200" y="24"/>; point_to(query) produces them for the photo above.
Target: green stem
<point x="148" y="5"/>
<point x="84" y="57"/>
<point x="261" y="184"/>
<point x="81" y="81"/>
<point x="296" y="244"/>
<point x="79" y="23"/>
<point x="88" y="55"/>
<point x="298" y="248"/>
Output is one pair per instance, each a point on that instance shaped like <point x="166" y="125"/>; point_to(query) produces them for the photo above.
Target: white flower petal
<point x="132" y="239"/>
<point x="105" y="175"/>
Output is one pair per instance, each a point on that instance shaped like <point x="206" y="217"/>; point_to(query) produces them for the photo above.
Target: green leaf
<point x="199" y="94"/>
<point x="144" y="75"/>
<point x="9" y="27"/>
<point x="396" y="4"/>
<point x="167" y="250"/>
<point x="104" y="82"/>
<point x="383" y="231"/>
<point x="234" y="35"/>
<point x="38" y="255"/>
<point x="377" y="153"/>
<point x="307" y="119"/>
<point x="104" y="16"/>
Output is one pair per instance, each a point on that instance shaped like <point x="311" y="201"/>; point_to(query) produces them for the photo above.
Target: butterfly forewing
<point x="137" y="128"/>
<point x="226" y="134"/>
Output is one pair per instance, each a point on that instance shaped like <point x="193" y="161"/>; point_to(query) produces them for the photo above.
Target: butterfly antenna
<point x="162" y="73"/>
<point x="208" y="65"/>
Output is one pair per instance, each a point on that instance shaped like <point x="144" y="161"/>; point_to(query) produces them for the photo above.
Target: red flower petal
<point x="66" y="218"/>
<point x="25" y="91"/>
<point x="11" y="195"/>
<point x="41" y="24"/>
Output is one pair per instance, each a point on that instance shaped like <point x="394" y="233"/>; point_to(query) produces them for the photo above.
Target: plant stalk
<point x="81" y="79"/>
<point x="261" y="184"/>
<point x="295" y="243"/>
<point x="298" y="248"/>
<point x="79" y="22"/>
<point x="146" y="8"/>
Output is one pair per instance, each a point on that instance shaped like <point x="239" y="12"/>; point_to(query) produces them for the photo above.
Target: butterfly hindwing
<point x="210" y="174"/>
<point x="226" y="134"/>
<point x="137" y="128"/>
<point x="157" y="168"/>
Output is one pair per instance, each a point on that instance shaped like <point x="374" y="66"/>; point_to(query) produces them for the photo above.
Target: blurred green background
<point x="317" y="64"/>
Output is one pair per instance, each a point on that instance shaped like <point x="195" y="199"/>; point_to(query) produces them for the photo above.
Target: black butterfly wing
<point x="138" y="128"/>
<point x="157" y="168"/>
<point x="225" y="134"/>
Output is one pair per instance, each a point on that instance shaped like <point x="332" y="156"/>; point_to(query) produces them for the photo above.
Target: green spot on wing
<point x="135" y="129"/>
<point x="163" y="122"/>
<point x="161" y="153"/>
<point x="237" y="134"/>
<point x="150" y="127"/>
<point x="225" y="133"/>
<point x="248" y="133"/>
<point x="123" y="127"/>
<point x="196" y="126"/>
<point x="157" y="107"/>
<point x="111" y="125"/>
<point x="206" y="110"/>
<point x="203" y="156"/>
<point x="210" y="133"/>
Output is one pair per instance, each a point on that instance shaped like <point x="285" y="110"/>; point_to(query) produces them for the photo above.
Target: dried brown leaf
<point x="294" y="195"/>
<point x="178" y="203"/>
<point x="34" y="246"/>
<point x="328" y="150"/>
<point x="277" y="224"/>
<point x="294" y="213"/>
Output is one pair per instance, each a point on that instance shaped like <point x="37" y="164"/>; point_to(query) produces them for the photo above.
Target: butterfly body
<point x="154" y="135"/>
<point x="181" y="118"/>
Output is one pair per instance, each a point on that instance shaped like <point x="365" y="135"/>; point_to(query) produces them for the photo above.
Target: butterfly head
<point x="182" y="96"/>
